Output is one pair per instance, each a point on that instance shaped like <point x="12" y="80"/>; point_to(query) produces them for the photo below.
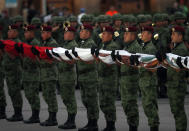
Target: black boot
<point x="155" y="128"/>
<point x="180" y="130"/>
<point x="70" y="123"/>
<point x="51" y="121"/>
<point x="2" y="113"/>
<point x="110" y="126"/>
<point x="132" y="128"/>
<point x="34" y="118"/>
<point x="91" y="126"/>
<point x="17" y="115"/>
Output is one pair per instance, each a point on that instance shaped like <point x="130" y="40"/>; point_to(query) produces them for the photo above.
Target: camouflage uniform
<point x="12" y="71"/>
<point x="67" y="87"/>
<point x="147" y="84"/>
<point x="2" y="93"/>
<point x="49" y="76"/>
<point x="176" y="89"/>
<point x="31" y="81"/>
<point x="88" y="83"/>
<point x="107" y="89"/>
<point x="129" y="87"/>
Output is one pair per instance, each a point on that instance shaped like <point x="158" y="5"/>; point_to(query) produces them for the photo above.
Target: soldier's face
<point x="84" y="34"/>
<point x="12" y="34"/>
<point x="176" y="37"/>
<point x="126" y="24"/>
<point x="28" y="35"/>
<point x="106" y="36"/>
<point x="104" y="24"/>
<point x="45" y="35"/>
<point x="73" y="24"/>
<point x="68" y="35"/>
<point x="146" y="36"/>
<point x="127" y="37"/>
<point x="118" y="23"/>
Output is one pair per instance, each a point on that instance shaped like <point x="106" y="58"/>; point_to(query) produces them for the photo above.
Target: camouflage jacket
<point x="49" y="71"/>
<point x="30" y="68"/>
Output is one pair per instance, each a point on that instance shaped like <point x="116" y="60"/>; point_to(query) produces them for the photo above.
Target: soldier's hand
<point x="93" y="49"/>
<point x="186" y="61"/>
<point x="68" y="55"/>
<point x="17" y="48"/>
<point x="118" y="56"/>
<point x="132" y="59"/>
<point x="2" y="45"/>
<point x="48" y="54"/>
<point x="97" y="52"/>
<point x="113" y="55"/>
<point x="74" y="52"/>
<point x="136" y="60"/>
<point x="178" y="61"/>
<point x="159" y="56"/>
<point x="35" y="51"/>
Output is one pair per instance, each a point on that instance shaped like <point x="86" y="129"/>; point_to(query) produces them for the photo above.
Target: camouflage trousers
<point x="31" y="89"/>
<point x="149" y="99"/>
<point x="176" y="94"/>
<point x="129" y="95"/>
<point x="67" y="91"/>
<point x="14" y="89"/>
<point x="90" y="98"/>
<point x="107" y="97"/>
<point x="2" y="93"/>
<point x="49" y="95"/>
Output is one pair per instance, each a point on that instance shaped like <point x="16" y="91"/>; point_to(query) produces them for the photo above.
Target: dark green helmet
<point x="141" y="18"/>
<point x="157" y="17"/>
<point x="179" y="15"/>
<point x="18" y="19"/>
<point x="73" y="18"/>
<point x="117" y="17"/>
<point x="35" y="20"/>
<point x="87" y="18"/>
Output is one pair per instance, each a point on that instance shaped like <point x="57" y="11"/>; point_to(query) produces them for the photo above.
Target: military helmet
<point x="117" y="17"/>
<point x="17" y="18"/>
<point x="35" y="20"/>
<point x="73" y="18"/>
<point x="179" y="15"/>
<point x="87" y="18"/>
<point x="141" y="18"/>
<point x="104" y="18"/>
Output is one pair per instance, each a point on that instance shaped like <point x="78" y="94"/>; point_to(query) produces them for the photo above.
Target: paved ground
<point x="166" y="118"/>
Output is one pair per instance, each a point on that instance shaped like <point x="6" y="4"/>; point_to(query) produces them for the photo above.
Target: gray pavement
<point x="166" y="118"/>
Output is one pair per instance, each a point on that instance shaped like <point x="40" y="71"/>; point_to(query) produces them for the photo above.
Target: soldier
<point x="103" y="21"/>
<point x="107" y="80"/>
<point x="117" y="22"/>
<point x="147" y="81"/>
<point x="57" y="24"/>
<point x="19" y="21"/>
<point x="129" y="80"/>
<point x="12" y="68"/>
<point x="160" y="39"/>
<point x="2" y="94"/>
<point x="88" y="82"/>
<point x="30" y="77"/>
<point x="67" y="80"/>
<point x="37" y="23"/>
<point x="176" y="82"/>
<point x="49" y="77"/>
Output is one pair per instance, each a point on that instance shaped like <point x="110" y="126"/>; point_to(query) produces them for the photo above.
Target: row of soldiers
<point x="98" y="82"/>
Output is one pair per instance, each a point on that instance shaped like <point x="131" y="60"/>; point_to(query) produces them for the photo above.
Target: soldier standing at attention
<point x="2" y="93"/>
<point x="129" y="80"/>
<point x="88" y="81"/>
<point x="67" y="80"/>
<point x="12" y="68"/>
<point x="176" y="80"/>
<point x="49" y="77"/>
<point x="107" y="80"/>
<point x="30" y="77"/>
<point x="148" y="81"/>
